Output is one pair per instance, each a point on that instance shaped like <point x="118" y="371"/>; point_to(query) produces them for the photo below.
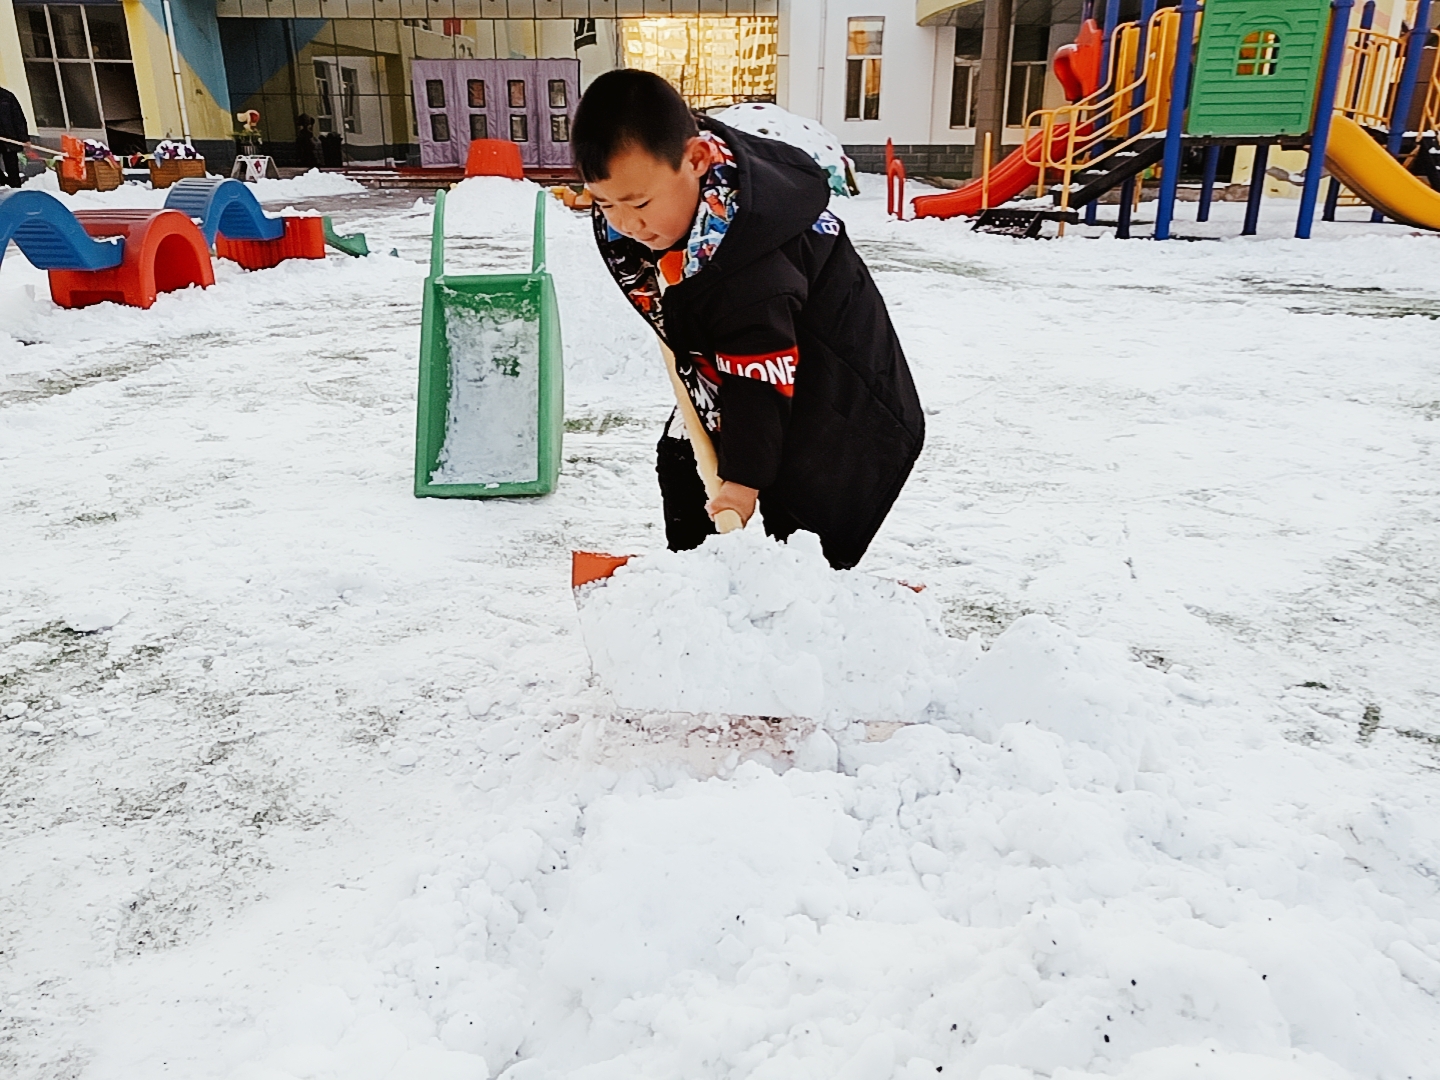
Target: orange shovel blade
<point x="588" y="566"/>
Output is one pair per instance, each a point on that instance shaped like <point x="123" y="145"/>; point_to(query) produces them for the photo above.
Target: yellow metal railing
<point x="1369" y="76"/>
<point x="1097" y="127"/>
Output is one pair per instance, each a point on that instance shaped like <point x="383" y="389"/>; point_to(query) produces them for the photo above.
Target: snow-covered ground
<point x="304" y="778"/>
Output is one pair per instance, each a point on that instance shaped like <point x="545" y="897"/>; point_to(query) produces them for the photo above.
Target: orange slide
<point x="1007" y="179"/>
<point x="1078" y="67"/>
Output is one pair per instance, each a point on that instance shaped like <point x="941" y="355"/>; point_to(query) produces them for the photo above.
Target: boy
<point x="778" y="331"/>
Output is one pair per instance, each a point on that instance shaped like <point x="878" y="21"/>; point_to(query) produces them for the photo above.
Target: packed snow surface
<point x="302" y="778"/>
<point x="747" y="626"/>
<point x="492" y="426"/>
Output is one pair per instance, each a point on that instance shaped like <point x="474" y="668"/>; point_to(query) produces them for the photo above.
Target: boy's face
<point x="647" y="200"/>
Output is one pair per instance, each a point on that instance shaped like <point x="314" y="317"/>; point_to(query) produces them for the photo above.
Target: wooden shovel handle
<point x="705" y="460"/>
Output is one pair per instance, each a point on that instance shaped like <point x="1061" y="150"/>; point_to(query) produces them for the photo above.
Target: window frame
<point x="55" y="62"/>
<point x="1263" y="60"/>
<point x="864" y="69"/>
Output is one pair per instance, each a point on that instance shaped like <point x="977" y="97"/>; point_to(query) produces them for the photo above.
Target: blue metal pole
<point x="1179" y="91"/>
<point x="1405" y="90"/>
<point x="1147" y="10"/>
<point x="1409" y="76"/>
<point x="1207" y="185"/>
<point x="1324" y="112"/>
<point x="1367" y="20"/>
<point x="1257" y="189"/>
<point x="1127" y="189"/>
<point x="1112" y="18"/>
<point x="1332" y="200"/>
<point x="1124" y="209"/>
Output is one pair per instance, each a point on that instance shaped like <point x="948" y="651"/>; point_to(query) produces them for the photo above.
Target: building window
<point x="519" y="129"/>
<point x="476" y="90"/>
<point x="1029" y="46"/>
<point x="79" y="69"/>
<point x="325" y="110"/>
<point x="349" y="94"/>
<point x="558" y="98"/>
<point x="517" y="95"/>
<point x="559" y="129"/>
<point x="712" y="60"/>
<point x="439" y="127"/>
<point x="965" y="83"/>
<point x="862" y="68"/>
<point x="479" y="126"/>
<point x="1259" y="53"/>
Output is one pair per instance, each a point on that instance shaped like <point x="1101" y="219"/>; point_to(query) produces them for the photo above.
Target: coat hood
<point x="782" y="192"/>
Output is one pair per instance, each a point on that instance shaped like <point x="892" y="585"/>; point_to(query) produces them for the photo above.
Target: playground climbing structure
<point x="1292" y="74"/>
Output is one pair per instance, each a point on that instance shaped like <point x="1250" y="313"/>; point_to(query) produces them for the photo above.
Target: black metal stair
<point x="1113" y="171"/>
<point x="1022" y="223"/>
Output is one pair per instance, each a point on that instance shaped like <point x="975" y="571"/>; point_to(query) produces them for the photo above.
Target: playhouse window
<point x="1259" y="53"/>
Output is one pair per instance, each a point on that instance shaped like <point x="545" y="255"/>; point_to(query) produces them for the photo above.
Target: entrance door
<point x="347" y="92"/>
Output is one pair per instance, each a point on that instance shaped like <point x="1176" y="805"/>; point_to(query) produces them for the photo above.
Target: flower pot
<point x="100" y="175"/>
<point x="165" y="173"/>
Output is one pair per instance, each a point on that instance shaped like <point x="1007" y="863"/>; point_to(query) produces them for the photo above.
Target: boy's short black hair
<point x="629" y="107"/>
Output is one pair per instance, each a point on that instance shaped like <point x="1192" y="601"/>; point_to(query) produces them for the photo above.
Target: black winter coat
<point x="816" y="407"/>
<point x="13" y="124"/>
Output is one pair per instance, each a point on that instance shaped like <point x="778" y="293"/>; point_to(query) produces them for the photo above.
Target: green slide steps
<point x="354" y="244"/>
<point x="529" y="296"/>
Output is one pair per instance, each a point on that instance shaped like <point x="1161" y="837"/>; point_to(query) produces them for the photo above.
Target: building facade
<point x="931" y="75"/>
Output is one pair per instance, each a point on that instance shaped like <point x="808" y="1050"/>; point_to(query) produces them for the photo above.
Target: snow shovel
<point x="588" y="566"/>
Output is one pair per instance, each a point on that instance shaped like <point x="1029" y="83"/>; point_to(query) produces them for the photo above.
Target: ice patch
<point x="492" y="427"/>
<point x="747" y="626"/>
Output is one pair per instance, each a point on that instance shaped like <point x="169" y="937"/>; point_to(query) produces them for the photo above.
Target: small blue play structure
<point x="49" y="234"/>
<point x="223" y="207"/>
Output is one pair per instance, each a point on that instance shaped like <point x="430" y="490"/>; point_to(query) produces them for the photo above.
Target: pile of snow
<point x="747" y="626"/>
<point x="494" y="206"/>
<point x="138" y="195"/>
<point x="131" y="195"/>
<point x="492" y="423"/>
<point x="1005" y="907"/>
<point x="311" y="185"/>
<point x="773" y="122"/>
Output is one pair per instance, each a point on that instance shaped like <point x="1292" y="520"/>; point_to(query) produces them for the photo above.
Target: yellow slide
<point x="1363" y="166"/>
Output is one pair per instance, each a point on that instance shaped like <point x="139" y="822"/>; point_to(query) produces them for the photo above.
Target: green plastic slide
<point x="354" y="244"/>
<point x="491" y="404"/>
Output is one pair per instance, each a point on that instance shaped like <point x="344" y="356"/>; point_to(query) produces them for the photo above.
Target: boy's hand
<point x="732" y="496"/>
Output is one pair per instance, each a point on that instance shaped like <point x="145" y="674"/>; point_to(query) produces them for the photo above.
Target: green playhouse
<point x="1257" y="67"/>
<point x="491" y="410"/>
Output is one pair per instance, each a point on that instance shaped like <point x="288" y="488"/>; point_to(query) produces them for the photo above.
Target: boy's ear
<point x="696" y="159"/>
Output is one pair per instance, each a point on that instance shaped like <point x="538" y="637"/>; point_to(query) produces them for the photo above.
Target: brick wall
<point x="921" y="159"/>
